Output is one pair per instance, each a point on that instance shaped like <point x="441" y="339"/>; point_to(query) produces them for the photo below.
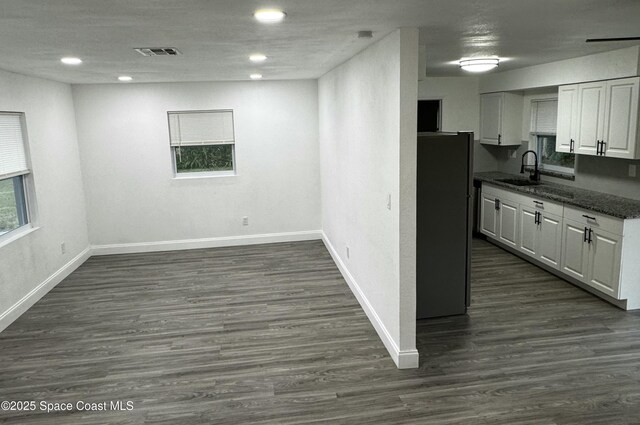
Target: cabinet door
<point x="567" y="118"/>
<point x="591" y="105"/>
<point x="604" y="262"/>
<point x="491" y="118"/>
<point x="550" y="240"/>
<point x="621" y="119"/>
<point x="508" y="223"/>
<point x="489" y="216"/>
<point x="528" y="242"/>
<point x="575" y="252"/>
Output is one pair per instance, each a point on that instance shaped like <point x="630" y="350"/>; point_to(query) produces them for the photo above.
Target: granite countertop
<point x="599" y="202"/>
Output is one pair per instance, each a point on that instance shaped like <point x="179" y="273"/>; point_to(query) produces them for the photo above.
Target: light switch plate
<point x="632" y="170"/>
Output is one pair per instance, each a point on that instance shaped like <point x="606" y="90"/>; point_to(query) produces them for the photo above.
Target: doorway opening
<point x="429" y="115"/>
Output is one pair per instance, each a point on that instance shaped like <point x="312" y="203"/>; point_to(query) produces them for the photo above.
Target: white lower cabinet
<point x="489" y="215"/>
<point x="550" y="245"/>
<point x="529" y="231"/>
<point x="508" y="228"/>
<point x="540" y="233"/>
<point x="592" y="250"/>
<point x="575" y="253"/>
<point x="604" y="261"/>
<point x="499" y="217"/>
<point x="580" y="244"/>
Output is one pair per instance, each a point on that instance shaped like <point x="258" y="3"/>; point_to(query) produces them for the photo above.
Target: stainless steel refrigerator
<point x="444" y="223"/>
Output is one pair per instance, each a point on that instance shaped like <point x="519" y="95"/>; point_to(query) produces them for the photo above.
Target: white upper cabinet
<point x="567" y="118"/>
<point x="621" y="119"/>
<point x="599" y="118"/>
<point x="491" y="118"/>
<point x="501" y="119"/>
<point x="591" y="103"/>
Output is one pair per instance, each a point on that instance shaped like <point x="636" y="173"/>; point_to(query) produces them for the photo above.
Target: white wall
<point x="126" y="159"/>
<point x="460" y="111"/>
<point x="460" y="101"/>
<point x="31" y="265"/>
<point x="601" y="66"/>
<point x="367" y="152"/>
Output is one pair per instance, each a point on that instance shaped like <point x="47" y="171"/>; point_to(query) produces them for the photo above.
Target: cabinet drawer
<point x="594" y="220"/>
<point x="543" y="205"/>
<point x="502" y="194"/>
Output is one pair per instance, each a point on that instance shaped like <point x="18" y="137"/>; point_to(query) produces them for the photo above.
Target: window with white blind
<point x="202" y="142"/>
<point x="544" y="115"/>
<point x="14" y="171"/>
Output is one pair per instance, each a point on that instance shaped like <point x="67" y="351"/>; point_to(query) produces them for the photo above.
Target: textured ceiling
<point x="216" y="36"/>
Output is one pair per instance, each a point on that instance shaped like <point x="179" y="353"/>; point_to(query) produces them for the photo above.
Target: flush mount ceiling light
<point x="125" y="78"/>
<point x="479" y="64"/>
<point x="269" y="16"/>
<point x="255" y="76"/>
<point x="257" y="57"/>
<point x="71" y="61"/>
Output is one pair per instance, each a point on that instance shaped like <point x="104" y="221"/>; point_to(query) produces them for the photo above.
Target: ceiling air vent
<point x="158" y="51"/>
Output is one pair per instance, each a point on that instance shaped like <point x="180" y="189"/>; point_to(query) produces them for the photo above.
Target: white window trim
<point x="28" y="189"/>
<point x="16" y="234"/>
<point x="203" y="174"/>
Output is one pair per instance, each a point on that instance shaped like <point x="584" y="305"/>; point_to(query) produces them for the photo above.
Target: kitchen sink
<point x="519" y="182"/>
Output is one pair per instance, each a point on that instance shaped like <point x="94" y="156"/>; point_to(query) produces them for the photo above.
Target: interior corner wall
<point x="362" y="132"/>
<point x="135" y="204"/>
<point x="33" y="263"/>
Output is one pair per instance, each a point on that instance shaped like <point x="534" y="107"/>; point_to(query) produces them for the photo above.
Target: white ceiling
<point x="216" y="36"/>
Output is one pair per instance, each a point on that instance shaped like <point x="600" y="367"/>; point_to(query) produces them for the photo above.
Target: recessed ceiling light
<point x="269" y="16"/>
<point x="257" y="57"/>
<point x="125" y="78"/>
<point x="255" y="76"/>
<point x="479" y="64"/>
<point x="71" y="61"/>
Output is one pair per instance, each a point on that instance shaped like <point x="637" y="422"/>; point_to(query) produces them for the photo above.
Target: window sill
<point x="558" y="175"/>
<point x="16" y="234"/>
<point x="198" y="176"/>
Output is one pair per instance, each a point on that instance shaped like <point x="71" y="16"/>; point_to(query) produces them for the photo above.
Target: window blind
<point x="13" y="161"/>
<point x="201" y="128"/>
<point x="544" y="115"/>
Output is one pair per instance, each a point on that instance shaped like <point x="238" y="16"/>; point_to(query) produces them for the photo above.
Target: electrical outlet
<point x="348" y="254"/>
<point x="632" y="170"/>
<point x="513" y="153"/>
<point x="245" y="221"/>
<point x="63" y="248"/>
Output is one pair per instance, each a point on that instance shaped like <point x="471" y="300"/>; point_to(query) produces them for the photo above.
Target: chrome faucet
<point x="535" y="174"/>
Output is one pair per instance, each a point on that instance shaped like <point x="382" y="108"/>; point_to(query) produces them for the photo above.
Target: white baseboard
<point x="136" y="248"/>
<point x="407" y="359"/>
<point x="16" y="310"/>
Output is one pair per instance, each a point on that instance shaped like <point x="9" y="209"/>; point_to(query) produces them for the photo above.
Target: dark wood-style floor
<point x="271" y="334"/>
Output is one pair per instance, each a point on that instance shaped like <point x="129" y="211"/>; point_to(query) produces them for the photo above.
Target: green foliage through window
<point x="12" y="205"/>
<point x="195" y="159"/>
<point x="551" y="159"/>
